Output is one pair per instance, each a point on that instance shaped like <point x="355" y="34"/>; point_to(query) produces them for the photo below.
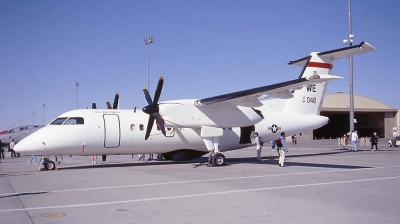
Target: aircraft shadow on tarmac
<point x="273" y="160"/>
<point x="128" y="164"/>
<point x="202" y="161"/>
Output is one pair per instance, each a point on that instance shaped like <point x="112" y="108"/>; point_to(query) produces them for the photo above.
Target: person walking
<point x="282" y="147"/>
<point x="294" y="140"/>
<point x="374" y="142"/>
<point x="12" y="145"/>
<point x="2" y="149"/>
<point x="33" y="157"/>
<point x="259" y="144"/>
<point x="354" y="140"/>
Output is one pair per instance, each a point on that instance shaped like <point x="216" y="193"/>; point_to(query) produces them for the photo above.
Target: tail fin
<point x="309" y="100"/>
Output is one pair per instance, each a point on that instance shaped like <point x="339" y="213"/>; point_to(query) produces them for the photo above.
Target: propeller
<point x="115" y="104"/>
<point x="153" y="109"/>
<point x="116" y="101"/>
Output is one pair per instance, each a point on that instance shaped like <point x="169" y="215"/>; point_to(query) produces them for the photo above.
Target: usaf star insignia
<point x="274" y="128"/>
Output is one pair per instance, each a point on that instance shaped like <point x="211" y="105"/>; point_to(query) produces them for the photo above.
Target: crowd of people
<point x="281" y="147"/>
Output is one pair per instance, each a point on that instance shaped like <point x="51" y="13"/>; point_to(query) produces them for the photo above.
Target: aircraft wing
<point x="252" y="97"/>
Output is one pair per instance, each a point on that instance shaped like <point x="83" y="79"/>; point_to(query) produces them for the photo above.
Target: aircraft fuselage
<point x="105" y="132"/>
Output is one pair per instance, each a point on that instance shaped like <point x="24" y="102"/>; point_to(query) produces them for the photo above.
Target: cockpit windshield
<point x="58" y="121"/>
<point x="74" y="120"/>
<point x="68" y="121"/>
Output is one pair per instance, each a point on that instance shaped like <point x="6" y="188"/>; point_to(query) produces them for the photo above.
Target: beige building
<point x="370" y="114"/>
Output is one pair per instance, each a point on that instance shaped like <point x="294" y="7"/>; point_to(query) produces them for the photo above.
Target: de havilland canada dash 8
<point x="187" y="129"/>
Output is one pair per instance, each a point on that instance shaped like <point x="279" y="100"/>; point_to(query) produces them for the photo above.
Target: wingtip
<point x="330" y="77"/>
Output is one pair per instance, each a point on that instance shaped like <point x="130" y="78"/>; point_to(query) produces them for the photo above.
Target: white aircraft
<point x="187" y="129"/>
<point x="18" y="133"/>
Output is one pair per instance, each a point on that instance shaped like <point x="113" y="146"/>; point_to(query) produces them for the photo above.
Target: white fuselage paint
<point x="107" y="132"/>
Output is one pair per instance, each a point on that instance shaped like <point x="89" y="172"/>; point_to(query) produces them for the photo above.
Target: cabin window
<point x="141" y="127"/>
<point x="58" y="121"/>
<point x="132" y="127"/>
<point x="74" y="121"/>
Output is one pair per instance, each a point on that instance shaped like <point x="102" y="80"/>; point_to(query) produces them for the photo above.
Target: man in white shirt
<point x="259" y="144"/>
<point x="282" y="150"/>
<point x="354" y="140"/>
<point x="12" y="144"/>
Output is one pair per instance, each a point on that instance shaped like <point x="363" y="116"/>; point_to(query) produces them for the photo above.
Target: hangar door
<point x="112" y="132"/>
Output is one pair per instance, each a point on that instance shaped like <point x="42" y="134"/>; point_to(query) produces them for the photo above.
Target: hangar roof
<point x="341" y="102"/>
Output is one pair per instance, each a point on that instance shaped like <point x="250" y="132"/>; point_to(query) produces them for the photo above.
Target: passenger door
<point x="112" y="131"/>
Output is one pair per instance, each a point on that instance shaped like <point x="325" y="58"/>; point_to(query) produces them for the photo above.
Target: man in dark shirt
<point x="374" y="142"/>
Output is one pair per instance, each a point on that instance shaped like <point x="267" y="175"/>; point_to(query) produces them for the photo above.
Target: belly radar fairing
<point x="198" y="126"/>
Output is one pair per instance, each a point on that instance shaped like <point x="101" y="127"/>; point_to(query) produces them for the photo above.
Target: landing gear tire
<point x="218" y="159"/>
<point x="50" y="165"/>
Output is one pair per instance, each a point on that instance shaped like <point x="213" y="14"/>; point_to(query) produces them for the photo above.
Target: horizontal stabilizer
<point x="361" y="48"/>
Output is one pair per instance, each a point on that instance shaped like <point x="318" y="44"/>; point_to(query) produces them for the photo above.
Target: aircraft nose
<point x="20" y="147"/>
<point x="28" y="147"/>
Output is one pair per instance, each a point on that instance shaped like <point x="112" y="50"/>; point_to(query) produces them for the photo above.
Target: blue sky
<point x="202" y="48"/>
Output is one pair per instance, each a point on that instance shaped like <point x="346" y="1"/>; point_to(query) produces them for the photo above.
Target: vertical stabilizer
<point x="309" y="100"/>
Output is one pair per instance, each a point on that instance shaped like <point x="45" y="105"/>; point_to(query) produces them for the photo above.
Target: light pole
<point x="77" y="85"/>
<point x="33" y="117"/>
<point x="349" y="41"/>
<point x="43" y="113"/>
<point x="148" y="40"/>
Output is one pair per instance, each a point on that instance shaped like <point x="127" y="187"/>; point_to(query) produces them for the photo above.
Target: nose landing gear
<point x="47" y="164"/>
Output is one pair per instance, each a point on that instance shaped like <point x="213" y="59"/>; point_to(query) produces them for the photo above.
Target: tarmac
<point x="321" y="183"/>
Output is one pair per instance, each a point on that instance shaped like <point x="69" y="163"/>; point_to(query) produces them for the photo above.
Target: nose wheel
<point x="47" y="164"/>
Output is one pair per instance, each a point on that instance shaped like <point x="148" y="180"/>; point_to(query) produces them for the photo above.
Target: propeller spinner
<point x="153" y="109"/>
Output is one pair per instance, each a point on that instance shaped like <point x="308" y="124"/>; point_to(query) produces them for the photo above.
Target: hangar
<point x="370" y="114"/>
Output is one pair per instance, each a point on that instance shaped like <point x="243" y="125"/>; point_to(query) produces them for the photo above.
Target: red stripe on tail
<point x="319" y="65"/>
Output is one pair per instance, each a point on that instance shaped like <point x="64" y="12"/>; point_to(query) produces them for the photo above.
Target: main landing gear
<point x="216" y="159"/>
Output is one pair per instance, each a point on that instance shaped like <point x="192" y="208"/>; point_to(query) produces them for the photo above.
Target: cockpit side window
<point x="58" y="121"/>
<point x="74" y="121"/>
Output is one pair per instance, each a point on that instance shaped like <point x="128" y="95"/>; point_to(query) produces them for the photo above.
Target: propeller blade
<point x="149" y="127"/>
<point x="160" y="123"/>
<point x="108" y="105"/>
<point x="147" y="96"/>
<point x="158" y="90"/>
<point x="94" y="106"/>
<point x="116" y="101"/>
<point x="152" y="109"/>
